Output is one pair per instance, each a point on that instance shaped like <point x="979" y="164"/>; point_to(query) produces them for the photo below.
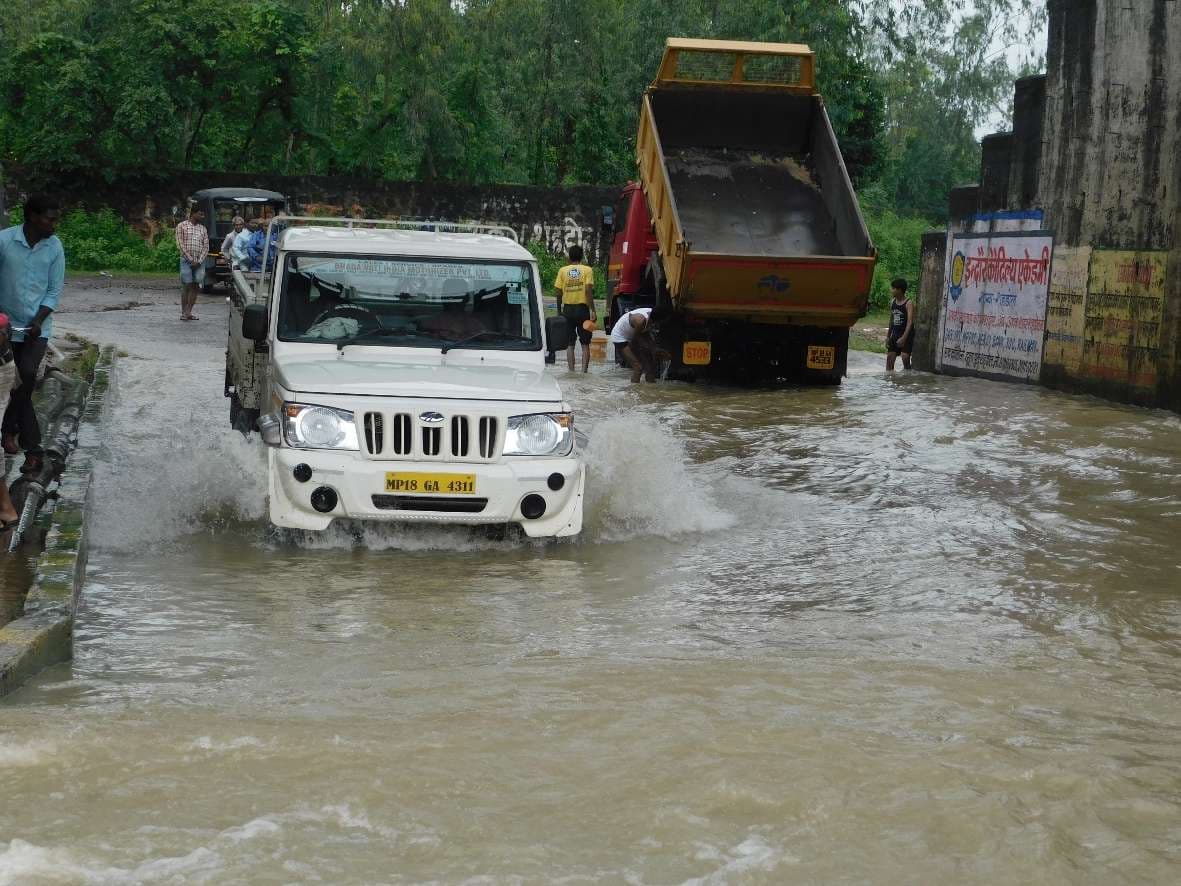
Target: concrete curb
<point x="44" y="635"/>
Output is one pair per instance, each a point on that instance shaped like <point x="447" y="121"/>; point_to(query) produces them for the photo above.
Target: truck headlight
<point x="541" y="434"/>
<point x="318" y="427"/>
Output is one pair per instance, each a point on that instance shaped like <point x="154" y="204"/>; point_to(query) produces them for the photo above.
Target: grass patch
<point x="876" y="317"/>
<point x="81" y="363"/>
<point x="860" y="341"/>
<point x="170" y="274"/>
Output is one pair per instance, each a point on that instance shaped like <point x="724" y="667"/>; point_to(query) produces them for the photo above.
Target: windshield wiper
<point x="500" y="336"/>
<point x="353" y="339"/>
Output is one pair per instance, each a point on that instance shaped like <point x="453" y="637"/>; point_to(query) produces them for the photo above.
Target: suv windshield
<point x="406" y="302"/>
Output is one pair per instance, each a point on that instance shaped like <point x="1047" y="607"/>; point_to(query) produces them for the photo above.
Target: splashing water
<point x="171" y="467"/>
<point x="641" y="484"/>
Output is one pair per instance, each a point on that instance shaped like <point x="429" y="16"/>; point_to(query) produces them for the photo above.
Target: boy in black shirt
<point x="900" y="335"/>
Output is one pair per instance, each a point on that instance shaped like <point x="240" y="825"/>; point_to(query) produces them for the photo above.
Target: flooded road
<point x="913" y="629"/>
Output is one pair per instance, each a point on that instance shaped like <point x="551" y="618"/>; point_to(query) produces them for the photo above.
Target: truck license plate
<point x="430" y="484"/>
<point x="696" y="353"/>
<point x="820" y="357"/>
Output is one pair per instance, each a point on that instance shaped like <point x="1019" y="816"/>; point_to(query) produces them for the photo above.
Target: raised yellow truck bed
<point x="755" y="217"/>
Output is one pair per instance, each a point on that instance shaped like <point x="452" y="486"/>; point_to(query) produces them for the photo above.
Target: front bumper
<point x="357" y="481"/>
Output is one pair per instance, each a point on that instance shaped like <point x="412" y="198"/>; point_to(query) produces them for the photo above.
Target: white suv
<point x="399" y="375"/>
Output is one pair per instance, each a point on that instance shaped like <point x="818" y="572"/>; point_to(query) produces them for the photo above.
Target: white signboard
<point x="995" y="314"/>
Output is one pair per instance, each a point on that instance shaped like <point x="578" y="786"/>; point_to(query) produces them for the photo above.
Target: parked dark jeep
<point x="220" y="206"/>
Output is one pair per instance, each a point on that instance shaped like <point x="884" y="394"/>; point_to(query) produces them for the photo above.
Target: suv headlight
<point x="542" y="434"/>
<point x="318" y="427"/>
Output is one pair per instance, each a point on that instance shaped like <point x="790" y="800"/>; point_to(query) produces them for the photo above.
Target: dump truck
<point x="743" y="232"/>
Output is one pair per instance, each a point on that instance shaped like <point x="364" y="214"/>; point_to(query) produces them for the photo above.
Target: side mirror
<point x="608" y="223"/>
<point x="254" y="322"/>
<point x="557" y="333"/>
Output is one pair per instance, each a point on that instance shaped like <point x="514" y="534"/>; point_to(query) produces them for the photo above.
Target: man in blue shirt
<point x="32" y="271"/>
<point x="256" y="246"/>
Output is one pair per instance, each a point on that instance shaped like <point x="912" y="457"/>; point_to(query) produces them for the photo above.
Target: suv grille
<point x="487" y="437"/>
<point x="403" y="435"/>
<point x="431" y="441"/>
<point x="374" y="432"/>
<point x="437" y="504"/>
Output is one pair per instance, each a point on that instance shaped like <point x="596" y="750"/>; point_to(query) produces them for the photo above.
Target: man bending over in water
<point x="632" y="338"/>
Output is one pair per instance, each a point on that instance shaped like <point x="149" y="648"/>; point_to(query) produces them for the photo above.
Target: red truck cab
<point x="629" y="275"/>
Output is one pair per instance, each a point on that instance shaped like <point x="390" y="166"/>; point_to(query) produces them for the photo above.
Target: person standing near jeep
<point x="32" y="272"/>
<point x="193" y="242"/>
<point x="575" y="285"/>
<point x="900" y="335"/>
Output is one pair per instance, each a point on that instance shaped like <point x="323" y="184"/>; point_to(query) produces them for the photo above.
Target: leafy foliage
<point x="529" y="91"/>
<point x="898" y="239"/>
<point x="97" y="241"/>
<point x="536" y="91"/>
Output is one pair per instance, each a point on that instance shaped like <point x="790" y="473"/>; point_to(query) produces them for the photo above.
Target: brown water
<point x="911" y="630"/>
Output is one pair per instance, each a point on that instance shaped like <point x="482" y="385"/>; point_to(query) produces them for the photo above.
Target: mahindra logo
<point x="431" y="418"/>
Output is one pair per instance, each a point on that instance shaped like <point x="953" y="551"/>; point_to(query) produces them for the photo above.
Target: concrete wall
<point x="930" y="299"/>
<point x="1095" y="159"/>
<point x="558" y="217"/>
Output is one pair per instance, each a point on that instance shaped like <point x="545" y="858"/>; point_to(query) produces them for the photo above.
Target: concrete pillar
<point x="996" y="156"/>
<point x="1029" y="106"/>
<point x="930" y="298"/>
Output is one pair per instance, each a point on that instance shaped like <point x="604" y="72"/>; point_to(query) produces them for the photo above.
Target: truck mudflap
<point x="741" y="352"/>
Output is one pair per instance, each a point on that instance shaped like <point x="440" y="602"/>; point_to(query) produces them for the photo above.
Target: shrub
<point x="547" y="263"/>
<point x="102" y="241"/>
<point x="899" y="240"/>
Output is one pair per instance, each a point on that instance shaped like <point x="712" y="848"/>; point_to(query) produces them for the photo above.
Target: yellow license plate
<point x="821" y="357"/>
<point x="696" y="353"/>
<point x="430" y="484"/>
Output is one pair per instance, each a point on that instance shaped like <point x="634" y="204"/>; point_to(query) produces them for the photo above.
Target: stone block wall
<point x="557" y="217"/>
<point x="1094" y="160"/>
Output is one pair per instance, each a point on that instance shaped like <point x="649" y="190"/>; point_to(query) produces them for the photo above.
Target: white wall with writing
<point x="994" y="313"/>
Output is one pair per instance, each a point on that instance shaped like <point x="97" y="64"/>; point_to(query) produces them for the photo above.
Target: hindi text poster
<point x="995" y="314"/>
<point x="1121" y="334"/>
<point x="1066" y="311"/>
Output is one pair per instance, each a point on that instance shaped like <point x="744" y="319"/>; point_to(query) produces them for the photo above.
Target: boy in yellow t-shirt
<point x="575" y="285"/>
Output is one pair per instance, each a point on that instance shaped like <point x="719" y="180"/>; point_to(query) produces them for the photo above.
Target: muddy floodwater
<point x="914" y="629"/>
